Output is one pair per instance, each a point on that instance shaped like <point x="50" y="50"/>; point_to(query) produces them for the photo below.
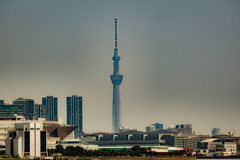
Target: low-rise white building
<point x="219" y="145"/>
<point x="27" y="140"/>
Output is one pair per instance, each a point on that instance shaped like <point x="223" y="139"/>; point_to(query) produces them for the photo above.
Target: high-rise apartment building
<point x="40" y="111"/>
<point x="28" y="107"/>
<point x="51" y="105"/>
<point x="74" y="113"/>
<point x="158" y="126"/>
<point x="150" y="128"/>
<point x="215" y="131"/>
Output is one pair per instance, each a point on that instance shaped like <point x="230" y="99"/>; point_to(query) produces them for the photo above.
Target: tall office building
<point x="116" y="81"/>
<point x="74" y="113"/>
<point x="150" y="128"/>
<point x="28" y="107"/>
<point x="51" y="105"/>
<point x="10" y="109"/>
<point x="185" y="129"/>
<point x="158" y="126"/>
<point x="215" y="131"/>
<point x="40" y="111"/>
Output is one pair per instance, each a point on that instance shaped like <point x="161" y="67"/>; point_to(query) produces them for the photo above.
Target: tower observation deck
<point x="116" y="79"/>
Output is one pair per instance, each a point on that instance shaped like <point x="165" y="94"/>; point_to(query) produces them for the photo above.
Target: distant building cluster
<point x="31" y="138"/>
<point x="47" y="110"/>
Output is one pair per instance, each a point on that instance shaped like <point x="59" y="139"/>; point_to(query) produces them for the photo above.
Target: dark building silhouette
<point x="215" y="131"/>
<point x="51" y="105"/>
<point x="40" y="111"/>
<point x="10" y="109"/>
<point x="158" y="126"/>
<point x="74" y="113"/>
<point x="28" y="107"/>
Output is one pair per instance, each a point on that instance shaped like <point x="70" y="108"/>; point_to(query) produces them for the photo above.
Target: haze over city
<point x="179" y="59"/>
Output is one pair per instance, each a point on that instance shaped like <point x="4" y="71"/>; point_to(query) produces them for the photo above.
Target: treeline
<point x="80" y="152"/>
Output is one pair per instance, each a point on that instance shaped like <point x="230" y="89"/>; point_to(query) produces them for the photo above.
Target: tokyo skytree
<point x="116" y="79"/>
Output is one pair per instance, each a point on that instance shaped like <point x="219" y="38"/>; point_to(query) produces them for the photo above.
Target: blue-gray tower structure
<point x="116" y="79"/>
<point x="50" y="104"/>
<point x="74" y="113"/>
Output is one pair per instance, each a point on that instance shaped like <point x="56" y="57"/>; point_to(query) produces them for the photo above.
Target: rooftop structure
<point x="128" y="138"/>
<point x="125" y="128"/>
<point x="116" y="79"/>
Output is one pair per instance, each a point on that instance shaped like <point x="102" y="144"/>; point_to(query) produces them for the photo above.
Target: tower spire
<point x="115" y="32"/>
<point x="116" y="79"/>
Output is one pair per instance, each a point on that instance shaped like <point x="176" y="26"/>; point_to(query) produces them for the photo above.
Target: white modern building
<point x="27" y="140"/>
<point x="220" y="143"/>
<point x="7" y="123"/>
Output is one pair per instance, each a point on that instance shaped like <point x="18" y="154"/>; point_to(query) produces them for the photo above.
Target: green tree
<point x="51" y="151"/>
<point x="70" y="150"/>
<point x="2" y="152"/>
<point x="143" y="151"/>
<point x="59" y="148"/>
<point x="79" y="150"/>
<point x="89" y="153"/>
<point x="136" y="150"/>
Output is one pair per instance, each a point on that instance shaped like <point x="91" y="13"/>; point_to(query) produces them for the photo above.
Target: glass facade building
<point x="40" y="111"/>
<point x="11" y="109"/>
<point x="215" y="131"/>
<point x="158" y="126"/>
<point x="50" y="103"/>
<point x="28" y="107"/>
<point x="74" y="113"/>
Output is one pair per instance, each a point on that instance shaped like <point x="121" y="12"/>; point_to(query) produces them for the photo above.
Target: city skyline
<point x="180" y="60"/>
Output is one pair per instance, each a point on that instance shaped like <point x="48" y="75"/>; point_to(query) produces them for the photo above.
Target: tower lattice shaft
<point x="116" y="81"/>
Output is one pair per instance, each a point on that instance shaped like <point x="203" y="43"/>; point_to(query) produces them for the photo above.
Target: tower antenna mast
<point x="116" y="79"/>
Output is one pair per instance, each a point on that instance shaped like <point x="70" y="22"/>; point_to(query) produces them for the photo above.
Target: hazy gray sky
<point x="180" y="59"/>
